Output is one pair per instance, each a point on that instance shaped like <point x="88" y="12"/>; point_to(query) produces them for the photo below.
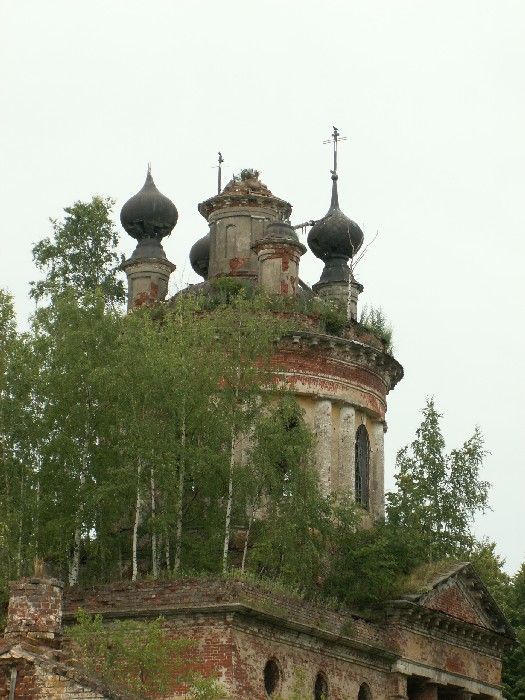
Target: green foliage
<point x="374" y="320"/>
<point x="514" y="668"/>
<point x="80" y="255"/>
<point x="225" y="290"/>
<point x="333" y="318"/>
<point x="249" y="174"/>
<point x="129" y="656"/>
<point x="368" y="564"/>
<point x="489" y="566"/>
<point x="514" y="662"/>
<point x="438" y="494"/>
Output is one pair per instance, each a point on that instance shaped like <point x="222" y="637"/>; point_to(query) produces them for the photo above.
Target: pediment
<point x="461" y="594"/>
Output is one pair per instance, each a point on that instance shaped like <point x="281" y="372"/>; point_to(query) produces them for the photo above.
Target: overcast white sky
<point x="431" y="94"/>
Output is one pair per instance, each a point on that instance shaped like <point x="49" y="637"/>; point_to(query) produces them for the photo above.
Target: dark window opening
<point x="272" y="676"/>
<point x="362" y="466"/>
<point x="321" y="687"/>
<point x="364" y="693"/>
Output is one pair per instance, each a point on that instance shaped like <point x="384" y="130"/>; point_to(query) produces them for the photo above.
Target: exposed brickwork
<point x="238" y="626"/>
<point x="35" y="609"/>
<point x="317" y="364"/>
<point x="454" y="602"/>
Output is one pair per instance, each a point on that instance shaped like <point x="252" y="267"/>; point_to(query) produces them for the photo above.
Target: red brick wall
<point x="453" y="601"/>
<point x="35" y="609"/>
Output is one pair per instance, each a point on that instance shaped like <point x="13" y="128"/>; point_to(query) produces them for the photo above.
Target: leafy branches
<point x="137" y="658"/>
<point x="438" y="494"/>
<point x="80" y="255"/>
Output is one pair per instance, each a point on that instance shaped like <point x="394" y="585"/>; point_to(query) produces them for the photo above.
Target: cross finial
<point x="335" y="138"/>
<point x="219" y="173"/>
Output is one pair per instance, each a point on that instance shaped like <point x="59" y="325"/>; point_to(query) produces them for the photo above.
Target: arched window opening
<point x="362" y="466"/>
<point x="321" y="687"/>
<point x="272" y="677"/>
<point x="364" y="693"/>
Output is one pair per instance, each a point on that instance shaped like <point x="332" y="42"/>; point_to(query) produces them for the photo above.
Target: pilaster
<point x="347" y="449"/>
<point x="323" y="433"/>
<point x="377" y="470"/>
<point x="397" y="687"/>
<point x="355" y="290"/>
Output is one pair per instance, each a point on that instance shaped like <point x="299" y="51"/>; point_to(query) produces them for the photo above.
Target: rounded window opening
<point x="362" y="466"/>
<point x="364" y="693"/>
<point x="321" y="687"/>
<point x="272" y="677"/>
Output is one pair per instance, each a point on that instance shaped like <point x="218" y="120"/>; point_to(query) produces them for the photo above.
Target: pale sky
<point x="431" y="95"/>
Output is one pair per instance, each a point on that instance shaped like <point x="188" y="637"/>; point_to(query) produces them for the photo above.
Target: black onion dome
<point x="200" y="256"/>
<point x="335" y="235"/>
<point x="149" y="214"/>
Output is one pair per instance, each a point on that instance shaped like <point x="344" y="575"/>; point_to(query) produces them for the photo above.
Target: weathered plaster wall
<point x="433" y="652"/>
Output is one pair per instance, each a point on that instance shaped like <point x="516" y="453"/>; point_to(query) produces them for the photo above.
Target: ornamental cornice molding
<point x="439" y="625"/>
<point x="349" y="351"/>
<point x="245" y="199"/>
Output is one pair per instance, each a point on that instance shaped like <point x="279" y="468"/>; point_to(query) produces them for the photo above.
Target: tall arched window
<point x="362" y="466"/>
<point x="321" y="687"/>
<point x="364" y="693"/>
<point x="272" y="677"/>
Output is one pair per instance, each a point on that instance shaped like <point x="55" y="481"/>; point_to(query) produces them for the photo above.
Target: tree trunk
<point x="20" y="529"/>
<point x="154" y="552"/>
<point x="229" y="504"/>
<point x="182" y="477"/>
<point x="245" y="550"/>
<point x="167" y="549"/>
<point x="74" y="565"/>
<point x="136" y="524"/>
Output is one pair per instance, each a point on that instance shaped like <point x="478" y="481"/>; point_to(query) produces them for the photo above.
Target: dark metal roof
<point x="335" y="235"/>
<point x="149" y="214"/>
<point x="200" y="256"/>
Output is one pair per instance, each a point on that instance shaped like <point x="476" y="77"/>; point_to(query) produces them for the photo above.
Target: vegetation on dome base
<point x="333" y="319"/>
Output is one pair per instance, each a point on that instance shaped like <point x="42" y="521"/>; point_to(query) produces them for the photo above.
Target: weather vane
<point x="335" y="138"/>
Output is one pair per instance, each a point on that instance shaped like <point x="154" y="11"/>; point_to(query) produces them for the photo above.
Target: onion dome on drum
<point x="335" y="235"/>
<point x="149" y="214"/>
<point x="200" y="256"/>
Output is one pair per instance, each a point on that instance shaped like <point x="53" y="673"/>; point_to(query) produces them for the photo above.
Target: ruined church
<point x="443" y="642"/>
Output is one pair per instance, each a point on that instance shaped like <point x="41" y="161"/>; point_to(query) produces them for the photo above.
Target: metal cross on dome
<point x="220" y="161"/>
<point x="335" y="138"/>
<point x="219" y="174"/>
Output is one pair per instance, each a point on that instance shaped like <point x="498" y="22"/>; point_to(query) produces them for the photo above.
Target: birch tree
<point x="438" y="493"/>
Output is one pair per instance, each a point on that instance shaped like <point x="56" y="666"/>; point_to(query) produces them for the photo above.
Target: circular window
<point x="272" y="676"/>
<point x="364" y="693"/>
<point x="321" y="687"/>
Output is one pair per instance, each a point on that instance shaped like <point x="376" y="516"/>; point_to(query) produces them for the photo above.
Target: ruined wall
<point x="43" y="681"/>
<point x="35" y="609"/>
<point x="234" y="643"/>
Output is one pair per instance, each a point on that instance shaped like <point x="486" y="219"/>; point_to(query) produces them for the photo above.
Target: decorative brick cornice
<point x="349" y="351"/>
<point x="437" y="624"/>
